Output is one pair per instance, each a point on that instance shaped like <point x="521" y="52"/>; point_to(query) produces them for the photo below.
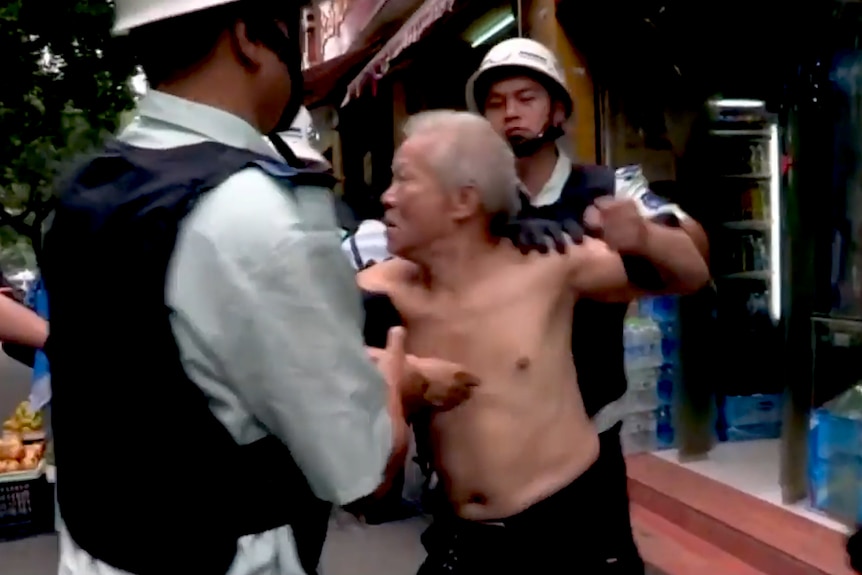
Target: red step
<point x="767" y="537"/>
<point x="674" y="551"/>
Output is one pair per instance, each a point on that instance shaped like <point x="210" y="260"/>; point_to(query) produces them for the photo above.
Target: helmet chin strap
<point x="290" y="54"/>
<point x="526" y="147"/>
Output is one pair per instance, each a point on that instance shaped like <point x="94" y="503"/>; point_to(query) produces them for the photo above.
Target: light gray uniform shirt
<point x="269" y="324"/>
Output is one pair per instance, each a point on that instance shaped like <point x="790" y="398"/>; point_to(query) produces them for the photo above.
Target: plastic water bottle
<point x="665" y="432"/>
<point x="642" y="339"/>
<point x="643" y="356"/>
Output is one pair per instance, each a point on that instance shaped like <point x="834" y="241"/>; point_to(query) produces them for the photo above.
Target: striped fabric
<point x="367" y="245"/>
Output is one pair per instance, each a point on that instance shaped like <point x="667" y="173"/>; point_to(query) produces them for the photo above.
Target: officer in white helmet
<point x="520" y="88"/>
<point x="296" y="146"/>
<point x="231" y="400"/>
<point x="298" y="139"/>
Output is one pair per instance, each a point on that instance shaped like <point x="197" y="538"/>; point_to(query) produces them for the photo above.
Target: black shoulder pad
<point x="585" y="184"/>
<point x="601" y="180"/>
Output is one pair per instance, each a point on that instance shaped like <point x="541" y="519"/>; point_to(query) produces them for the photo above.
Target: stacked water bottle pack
<point x="652" y="364"/>
<point x="835" y="457"/>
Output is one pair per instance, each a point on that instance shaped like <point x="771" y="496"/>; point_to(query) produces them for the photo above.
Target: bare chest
<point x="497" y="324"/>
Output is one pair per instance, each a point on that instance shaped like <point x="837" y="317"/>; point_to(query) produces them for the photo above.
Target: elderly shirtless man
<point x="515" y="458"/>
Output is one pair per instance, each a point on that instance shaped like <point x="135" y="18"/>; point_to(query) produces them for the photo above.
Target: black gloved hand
<point x="532" y="234"/>
<point x="529" y="231"/>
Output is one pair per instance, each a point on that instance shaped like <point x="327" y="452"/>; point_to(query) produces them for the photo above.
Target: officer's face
<point x="275" y="80"/>
<point x="417" y="203"/>
<point x="269" y="74"/>
<point x="518" y="107"/>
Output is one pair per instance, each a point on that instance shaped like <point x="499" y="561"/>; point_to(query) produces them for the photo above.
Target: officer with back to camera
<point x="231" y="400"/>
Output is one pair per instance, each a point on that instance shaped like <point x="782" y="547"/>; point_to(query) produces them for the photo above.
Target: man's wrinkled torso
<point x="524" y="433"/>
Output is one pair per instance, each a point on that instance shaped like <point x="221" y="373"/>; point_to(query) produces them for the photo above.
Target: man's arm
<point x="598" y="273"/>
<point x="429" y="381"/>
<point x="20" y="325"/>
<point x="678" y="254"/>
<point x="277" y="309"/>
<point x="663" y="249"/>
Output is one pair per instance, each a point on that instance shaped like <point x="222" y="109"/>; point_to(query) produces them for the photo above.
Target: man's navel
<point x="477" y="499"/>
<point x="522" y="363"/>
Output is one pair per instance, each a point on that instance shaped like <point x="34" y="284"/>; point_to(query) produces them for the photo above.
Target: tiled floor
<point x="351" y="549"/>
<point x="753" y="468"/>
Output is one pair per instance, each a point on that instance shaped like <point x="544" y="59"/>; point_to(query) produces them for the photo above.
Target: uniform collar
<point x="553" y="188"/>
<point x="208" y="122"/>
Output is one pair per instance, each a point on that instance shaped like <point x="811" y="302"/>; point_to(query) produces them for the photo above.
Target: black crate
<point x="26" y="507"/>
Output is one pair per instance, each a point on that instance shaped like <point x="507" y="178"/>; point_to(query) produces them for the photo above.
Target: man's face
<point x="417" y="204"/>
<point x="518" y="108"/>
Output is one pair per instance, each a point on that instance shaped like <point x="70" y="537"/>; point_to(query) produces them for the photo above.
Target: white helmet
<point x="299" y="135"/>
<point x="130" y="14"/>
<point x="513" y="57"/>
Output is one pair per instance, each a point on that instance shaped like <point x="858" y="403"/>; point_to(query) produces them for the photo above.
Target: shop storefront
<point x="752" y="126"/>
<point x="743" y="116"/>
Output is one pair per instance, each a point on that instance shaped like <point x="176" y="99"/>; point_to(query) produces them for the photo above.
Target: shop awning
<point x="321" y="80"/>
<point x="411" y="32"/>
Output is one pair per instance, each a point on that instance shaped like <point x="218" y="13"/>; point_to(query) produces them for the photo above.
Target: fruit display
<point x="22" y="444"/>
<point x="16" y="456"/>
<point x="24" y="421"/>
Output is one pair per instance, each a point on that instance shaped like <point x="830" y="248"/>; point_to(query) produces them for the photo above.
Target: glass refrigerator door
<point x="846" y="176"/>
<point x="746" y="245"/>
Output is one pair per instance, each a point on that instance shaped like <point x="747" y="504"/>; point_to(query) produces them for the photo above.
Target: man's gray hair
<point x="466" y="151"/>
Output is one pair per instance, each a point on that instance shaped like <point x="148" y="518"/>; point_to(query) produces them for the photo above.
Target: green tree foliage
<point x="64" y="87"/>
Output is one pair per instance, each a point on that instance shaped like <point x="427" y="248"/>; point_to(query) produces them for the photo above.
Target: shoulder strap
<point x="354" y="249"/>
<point x="295" y="176"/>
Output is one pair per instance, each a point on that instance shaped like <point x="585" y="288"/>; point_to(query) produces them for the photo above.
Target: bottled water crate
<point x="835" y="466"/>
<point x="749" y="417"/>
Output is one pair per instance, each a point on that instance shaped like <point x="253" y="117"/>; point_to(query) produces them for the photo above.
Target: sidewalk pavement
<point x="351" y="549"/>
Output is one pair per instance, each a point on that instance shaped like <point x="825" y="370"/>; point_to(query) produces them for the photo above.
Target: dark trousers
<point x="583" y="528"/>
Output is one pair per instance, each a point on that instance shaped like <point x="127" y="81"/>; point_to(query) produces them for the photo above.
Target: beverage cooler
<point x="829" y="118"/>
<point x="742" y="181"/>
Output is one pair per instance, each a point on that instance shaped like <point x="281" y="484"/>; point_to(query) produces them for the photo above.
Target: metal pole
<point x="520" y="20"/>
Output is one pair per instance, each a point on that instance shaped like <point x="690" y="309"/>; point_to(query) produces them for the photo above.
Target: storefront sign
<point x="341" y="21"/>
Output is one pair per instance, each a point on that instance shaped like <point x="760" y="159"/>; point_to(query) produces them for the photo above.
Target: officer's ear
<point x="558" y="114"/>
<point x="247" y="49"/>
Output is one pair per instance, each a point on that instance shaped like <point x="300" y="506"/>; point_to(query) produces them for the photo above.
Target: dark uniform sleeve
<point x="380" y="317"/>
<point x="854" y="551"/>
<point x="22" y="353"/>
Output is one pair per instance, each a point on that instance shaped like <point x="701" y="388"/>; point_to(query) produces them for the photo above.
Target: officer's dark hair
<point x="168" y="49"/>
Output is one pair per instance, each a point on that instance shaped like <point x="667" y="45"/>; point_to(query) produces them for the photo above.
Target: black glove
<point x="529" y="233"/>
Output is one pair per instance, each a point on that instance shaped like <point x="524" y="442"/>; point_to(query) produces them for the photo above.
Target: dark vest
<point x="149" y="481"/>
<point x="597" y="328"/>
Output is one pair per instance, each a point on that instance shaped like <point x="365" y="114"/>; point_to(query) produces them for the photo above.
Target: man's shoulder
<point x="388" y="276"/>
